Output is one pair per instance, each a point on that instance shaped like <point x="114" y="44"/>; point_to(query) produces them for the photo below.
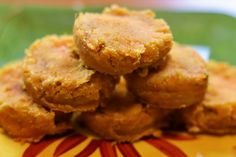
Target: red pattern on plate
<point x="165" y="147"/>
<point x="68" y="143"/>
<point x="107" y="149"/>
<point x="89" y="149"/>
<point x="35" y="148"/>
<point x="128" y="150"/>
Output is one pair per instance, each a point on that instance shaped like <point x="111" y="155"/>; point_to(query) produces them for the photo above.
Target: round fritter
<point x="20" y="117"/>
<point x="55" y="76"/>
<point x="217" y="113"/>
<point x="124" y="119"/>
<point x="181" y="82"/>
<point x="118" y="41"/>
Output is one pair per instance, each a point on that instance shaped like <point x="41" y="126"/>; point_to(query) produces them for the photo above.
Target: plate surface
<point x="19" y="26"/>
<point x="170" y="145"/>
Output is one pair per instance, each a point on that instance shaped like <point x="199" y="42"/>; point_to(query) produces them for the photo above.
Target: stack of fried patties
<point x="161" y="81"/>
<point x="121" y="75"/>
<point x="158" y="76"/>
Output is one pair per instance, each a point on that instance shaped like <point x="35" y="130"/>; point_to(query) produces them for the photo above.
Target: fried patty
<point x="181" y="82"/>
<point x="20" y="116"/>
<point x="119" y="40"/>
<point x="217" y="112"/>
<point x="55" y="76"/>
<point x="125" y="119"/>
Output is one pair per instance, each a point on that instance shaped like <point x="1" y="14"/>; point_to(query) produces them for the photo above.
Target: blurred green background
<point x="21" y="25"/>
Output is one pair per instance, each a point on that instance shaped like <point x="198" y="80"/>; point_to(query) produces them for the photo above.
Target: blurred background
<point x="228" y="6"/>
<point x="210" y="24"/>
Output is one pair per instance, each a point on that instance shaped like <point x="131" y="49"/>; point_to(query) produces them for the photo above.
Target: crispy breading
<point x="56" y="77"/>
<point x="125" y="119"/>
<point x="20" y="116"/>
<point x="217" y="113"/>
<point x="119" y="40"/>
<point x="181" y="82"/>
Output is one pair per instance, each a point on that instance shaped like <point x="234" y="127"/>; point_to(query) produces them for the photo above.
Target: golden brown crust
<point x="20" y="117"/>
<point x="56" y="77"/>
<point x="179" y="83"/>
<point x="121" y="40"/>
<point x="216" y="114"/>
<point x="124" y="119"/>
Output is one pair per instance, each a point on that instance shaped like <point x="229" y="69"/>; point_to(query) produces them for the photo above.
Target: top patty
<point x="121" y="40"/>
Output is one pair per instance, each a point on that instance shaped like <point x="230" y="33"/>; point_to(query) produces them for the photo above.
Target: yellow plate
<point x="172" y="145"/>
